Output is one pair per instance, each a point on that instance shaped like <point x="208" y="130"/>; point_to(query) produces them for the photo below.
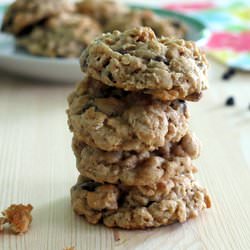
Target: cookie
<point x="176" y="200"/>
<point x="135" y="60"/>
<point x="131" y="168"/>
<point x="115" y="120"/>
<point x="101" y="10"/>
<point x="63" y="36"/>
<point x="23" y="14"/>
<point x="138" y="18"/>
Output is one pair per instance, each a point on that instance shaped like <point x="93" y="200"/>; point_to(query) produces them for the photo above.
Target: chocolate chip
<point x="122" y="197"/>
<point x="230" y="101"/>
<point x="89" y="186"/>
<point x="176" y="24"/>
<point x="27" y="30"/>
<point x="104" y="61"/>
<point x="150" y="203"/>
<point x="162" y="59"/>
<point x="86" y="106"/>
<point x="106" y="92"/>
<point x="228" y="74"/>
<point x="122" y="51"/>
<point x="110" y="76"/>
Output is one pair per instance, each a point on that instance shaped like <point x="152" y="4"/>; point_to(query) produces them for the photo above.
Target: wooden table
<point x="37" y="166"/>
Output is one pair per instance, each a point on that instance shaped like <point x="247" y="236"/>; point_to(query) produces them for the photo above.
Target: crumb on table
<point x="18" y="217"/>
<point x="2" y="222"/>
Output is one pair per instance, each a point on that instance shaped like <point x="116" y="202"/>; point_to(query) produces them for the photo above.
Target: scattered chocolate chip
<point x="162" y="59"/>
<point x="230" y="101"/>
<point x="228" y="74"/>
<point x="89" y="186"/>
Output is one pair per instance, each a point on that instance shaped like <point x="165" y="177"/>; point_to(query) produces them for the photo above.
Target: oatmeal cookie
<point x="63" y="36"/>
<point x="115" y="120"/>
<point x="23" y="14"/>
<point x="135" y="60"/>
<point x="101" y="10"/>
<point x="176" y="200"/>
<point x="138" y="18"/>
<point x="131" y="168"/>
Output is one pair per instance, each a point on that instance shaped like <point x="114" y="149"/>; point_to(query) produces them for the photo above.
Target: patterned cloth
<point x="230" y="26"/>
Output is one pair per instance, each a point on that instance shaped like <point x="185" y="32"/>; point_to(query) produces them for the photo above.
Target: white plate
<point x="20" y="62"/>
<point x="62" y="70"/>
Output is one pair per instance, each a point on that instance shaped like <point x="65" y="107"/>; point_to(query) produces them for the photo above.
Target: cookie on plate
<point x="138" y="169"/>
<point x="63" y="36"/>
<point x="116" y="120"/>
<point x="23" y="14"/>
<point x="101" y="10"/>
<point x="136" y="60"/>
<point x="175" y="200"/>
<point x="138" y="18"/>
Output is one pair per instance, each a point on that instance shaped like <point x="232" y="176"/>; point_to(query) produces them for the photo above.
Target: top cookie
<point x="25" y="13"/>
<point x="137" y="18"/>
<point x="101" y="10"/>
<point x="135" y="60"/>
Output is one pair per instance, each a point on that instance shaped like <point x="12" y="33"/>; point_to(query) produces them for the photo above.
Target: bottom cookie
<point x="176" y="200"/>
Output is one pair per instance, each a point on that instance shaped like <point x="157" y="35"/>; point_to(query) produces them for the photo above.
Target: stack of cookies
<point x="132" y="141"/>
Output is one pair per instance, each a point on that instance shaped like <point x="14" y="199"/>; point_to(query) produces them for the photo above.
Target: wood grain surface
<point x="37" y="166"/>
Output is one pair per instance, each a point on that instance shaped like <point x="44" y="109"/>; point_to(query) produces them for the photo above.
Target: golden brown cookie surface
<point x="177" y="199"/>
<point x="114" y="120"/>
<point x="135" y="60"/>
<point x="138" y="169"/>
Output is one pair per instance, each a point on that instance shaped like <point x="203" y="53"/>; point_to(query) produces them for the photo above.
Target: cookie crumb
<point x="116" y="235"/>
<point x="230" y="101"/>
<point x="19" y="218"/>
<point x="2" y="222"/>
<point x="228" y="74"/>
